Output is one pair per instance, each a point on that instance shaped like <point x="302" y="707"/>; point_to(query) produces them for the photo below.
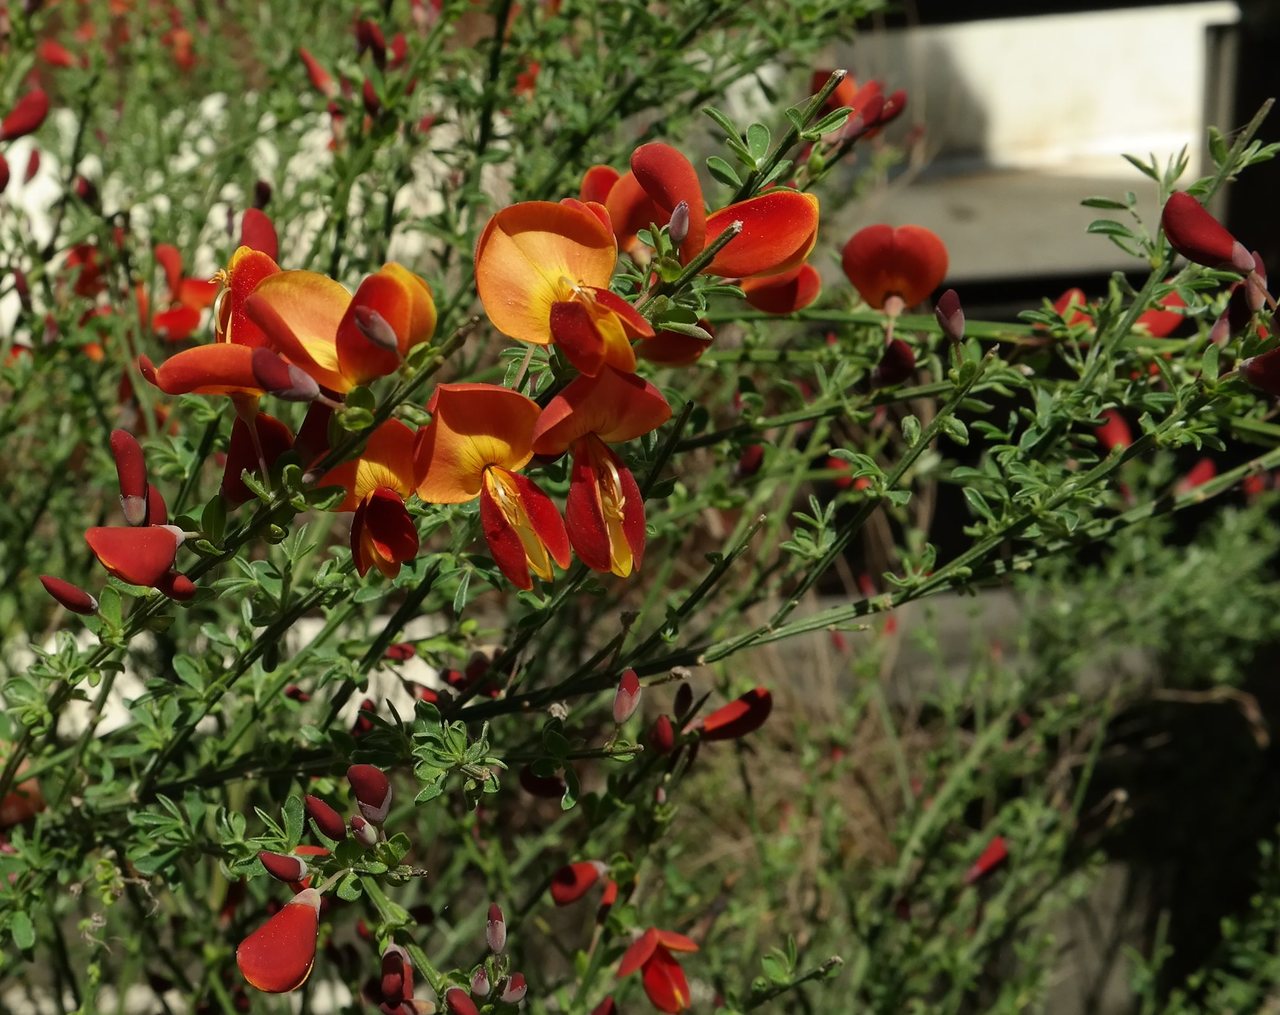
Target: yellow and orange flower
<point x="604" y="511"/>
<point x="543" y="271"/>
<point x="479" y="436"/>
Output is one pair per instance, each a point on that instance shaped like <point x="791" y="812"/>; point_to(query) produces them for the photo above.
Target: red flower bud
<point x="369" y="96"/>
<point x="627" y="698"/>
<point x="1263" y="372"/>
<point x="26" y="116"/>
<point x="55" y="54"/>
<point x="550" y="787"/>
<point x="896" y="365"/>
<point x="397" y="975"/>
<point x="1199" y="237"/>
<point x="131" y="470"/>
<point x="950" y="315"/>
<point x="750" y="461"/>
<point x="372" y="791"/>
<point x="515" y="989"/>
<point x="495" y="930"/>
<point x="573" y="881"/>
<point x="69" y="596"/>
<point x="177" y="587"/>
<point x="1113" y="432"/>
<point x="321" y="79"/>
<point x="326" y="820"/>
<point x="480" y="985"/>
<point x="662" y="736"/>
<point x="606" y="1007"/>
<point x="457" y="1002"/>
<point x="283" y="868"/>
<point x="363" y="831"/>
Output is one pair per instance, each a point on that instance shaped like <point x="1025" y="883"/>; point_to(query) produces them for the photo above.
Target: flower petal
<point x="258" y="233"/>
<point x="299" y="312"/>
<point x="639" y="953"/>
<point x="527" y="253"/>
<point x="597" y="182"/>
<point x="738" y="718"/>
<point x="139" y="556"/>
<point x="779" y="229"/>
<point x="277" y="957"/>
<point x="881" y="261"/>
<point x="245" y="270"/>
<point x="785" y="293"/>
<point x="615" y="406"/>
<point x="668" y="177"/>
<point x="241" y="454"/>
<point x="665" y="983"/>
<point x="387" y="461"/>
<point x="630" y="210"/>
<point x="218" y="369"/>
<point x="473" y="426"/>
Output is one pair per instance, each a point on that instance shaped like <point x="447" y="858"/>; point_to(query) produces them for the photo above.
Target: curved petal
<point x="277" y="957"/>
<point x="597" y="182"/>
<point x="613" y="405"/>
<point x="779" y="229"/>
<point x="785" y="293"/>
<point x="137" y="555"/>
<point x="275" y="439"/>
<point x="530" y="252"/>
<point x="359" y="358"/>
<point x="383" y="533"/>
<point x="258" y="233"/>
<point x="669" y="178"/>
<point x="675" y="348"/>
<point x="522" y="527"/>
<point x="630" y="210"/>
<point x="604" y="510"/>
<point x="665" y="984"/>
<point x="639" y="953"/>
<point x="738" y="718"/>
<point x="299" y="312"/>
<point x="245" y="270"/>
<point x="473" y="426"/>
<point x="175" y="324"/>
<point x="170" y="261"/>
<point x="218" y="369"/>
<point x="422" y="303"/>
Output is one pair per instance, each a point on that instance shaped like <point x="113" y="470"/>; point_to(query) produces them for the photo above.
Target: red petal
<point x="544" y="518"/>
<point x="584" y="517"/>
<point x="241" y="455"/>
<point x="597" y="182"/>
<point x="321" y="79"/>
<point x="176" y="324"/>
<point x="170" y="260"/>
<point x="738" y="718"/>
<point x="785" y="293"/>
<point x="573" y="881"/>
<point x="1199" y="237"/>
<point x="639" y="953"/>
<point x="390" y="529"/>
<point x="504" y="542"/>
<point x="669" y="178"/>
<point x="257" y="233"/>
<point x="278" y="956"/>
<point x="577" y="336"/>
<point x="26" y="116"/>
<point x="140" y="556"/>
<point x="630" y="210"/>
<point x="665" y="983"/>
<point x="70" y="597"/>
<point x="615" y="406"/>
<point x="131" y="467"/>
<point x="634" y="323"/>
<point x="779" y="229"/>
<point x="219" y="369"/>
<point x="995" y="854"/>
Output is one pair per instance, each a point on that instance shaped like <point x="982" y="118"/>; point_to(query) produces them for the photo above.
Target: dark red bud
<point x="372" y="791"/>
<point x="750" y="461"/>
<point x="69" y="596"/>
<point x="897" y="364"/>
<point x="27" y="115"/>
<point x="457" y="1002"/>
<point x="131" y="471"/>
<point x="1263" y="372"/>
<point x="1199" y="237"/>
<point x="373" y="326"/>
<point x="369" y="96"/>
<point x="283" y="868"/>
<point x="177" y="587"/>
<point x="326" y="820"/>
<point x="662" y="736"/>
<point x="550" y="787"/>
<point x="33" y="166"/>
<point x="995" y="854"/>
<point x="397" y="975"/>
<point x="261" y="194"/>
<point x="950" y="315"/>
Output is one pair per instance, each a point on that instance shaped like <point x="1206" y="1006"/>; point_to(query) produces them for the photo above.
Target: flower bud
<point x="515" y="989"/>
<point x="456" y="1002"/>
<point x="131" y="471"/>
<point x="177" y="587"/>
<point x="321" y="80"/>
<point x="480" y="985"/>
<point x="550" y="787"/>
<point x="662" y="736"/>
<point x="627" y="698"/>
<point x="372" y="791"/>
<point x="606" y="1007"/>
<point x="1199" y="237"/>
<point x="261" y="194"/>
<point x="897" y="364"/>
<point x="70" y="597"/>
<point x="495" y="931"/>
<point x="950" y="315"/>
<point x="363" y="832"/>
<point x="738" y="718"/>
<point x="326" y="820"/>
<point x="282" y="379"/>
<point x="33" y="166"/>
<point x="995" y="854"/>
<point x="1263" y="372"/>
<point x="369" y="96"/>
<point x="283" y="868"/>
<point x="750" y="461"/>
<point x="607" y="899"/>
<point x="683" y="702"/>
<point x="678" y="227"/>
<point x="373" y="326"/>
<point x="157" y="510"/>
<point x="397" y="975"/>
<point x="369" y="38"/>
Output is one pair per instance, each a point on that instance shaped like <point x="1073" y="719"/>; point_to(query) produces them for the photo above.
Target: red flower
<point x="27" y="115"/>
<point x="908" y="262"/>
<point x="738" y="718"/>
<point x="573" y="881"/>
<point x="278" y="956"/>
<point x="664" y="979"/>
<point x="1113" y="432"/>
<point x="995" y="854"/>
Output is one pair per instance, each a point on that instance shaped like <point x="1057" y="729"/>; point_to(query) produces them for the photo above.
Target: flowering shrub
<point x="468" y="450"/>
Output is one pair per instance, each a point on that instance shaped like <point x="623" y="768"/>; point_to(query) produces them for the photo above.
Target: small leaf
<point x="23" y="931"/>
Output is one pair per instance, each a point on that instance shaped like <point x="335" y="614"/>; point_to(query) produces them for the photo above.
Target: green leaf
<point x="758" y="140"/>
<point x="23" y="931"/>
<point x="723" y="172"/>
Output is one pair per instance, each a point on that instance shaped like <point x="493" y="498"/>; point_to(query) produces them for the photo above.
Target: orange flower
<point x="543" y="271"/>
<point x="908" y="262"/>
<point x="664" y="979"/>
<point x="785" y="292"/>
<point x="278" y="956"/>
<point x="779" y="227"/>
<point x="605" y="510"/>
<point x="341" y="340"/>
<point x="479" y="435"/>
<point x="382" y="533"/>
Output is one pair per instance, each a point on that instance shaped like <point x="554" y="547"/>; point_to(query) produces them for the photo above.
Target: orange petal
<point x="880" y="261"/>
<point x="218" y="369"/>
<point x="245" y="270"/>
<point x="387" y="461"/>
<point x="422" y="316"/>
<point x="672" y="941"/>
<point x="359" y="358"/>
<point x="139" y="556"/>
<point x="779" y="229"/>
<point x="473" y="426"/>
<point x="613" y="405"/>
<point x="299" y="312"/>
<point x="782" y="294"/>
<point x="597" y="182"/>
<point x="277" y="957"/>
<point x="530" y="255"/>
<point x="196" y="293"/>
<point x="639" y="953"/>
<point x="669" y="178"/>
